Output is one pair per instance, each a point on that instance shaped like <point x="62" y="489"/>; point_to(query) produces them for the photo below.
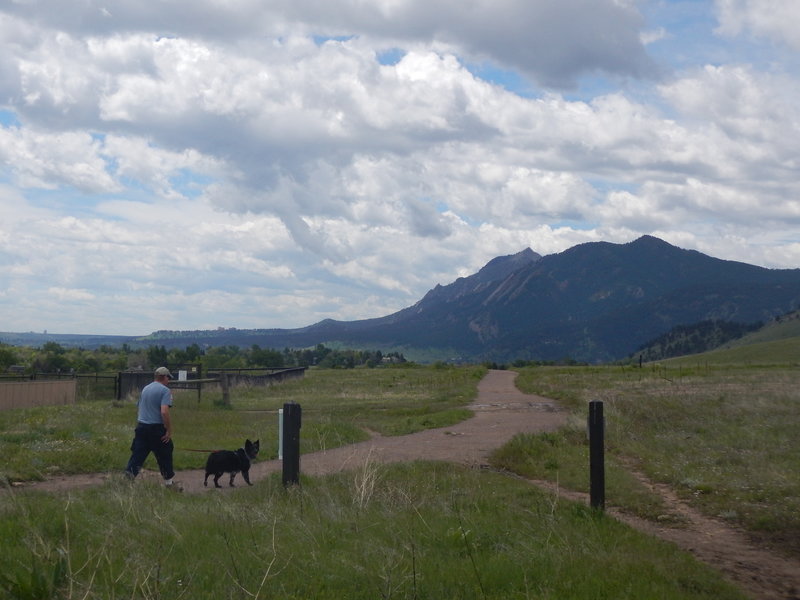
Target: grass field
<point x="724" y="437"/>
<point x="426" y="531"/>
<point x="419" y="530"/>
<point x="339" y="406"/>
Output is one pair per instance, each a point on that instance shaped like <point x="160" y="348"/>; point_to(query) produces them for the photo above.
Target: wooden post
<point x="225" y="384"/>
<point x="597" y="474"/>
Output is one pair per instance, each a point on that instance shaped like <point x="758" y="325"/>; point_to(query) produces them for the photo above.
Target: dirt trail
<point x="502" y="411"/>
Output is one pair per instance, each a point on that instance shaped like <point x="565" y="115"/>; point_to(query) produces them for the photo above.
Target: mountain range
<point x="595" y="302"/>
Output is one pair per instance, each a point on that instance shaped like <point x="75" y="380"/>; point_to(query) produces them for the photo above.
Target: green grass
<point x="563" y="457"/>
<point x="393" y="401"/>
<point x="776" y="343"/>
<point x="419" y="530"/>
<point x="786" y="327"/>
<point x="763" y="353"/>
<point x="724" y="438"/>
<point x="339" y="407"/>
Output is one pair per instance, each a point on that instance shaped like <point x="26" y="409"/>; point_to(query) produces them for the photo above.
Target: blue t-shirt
<point x="154" y="396"/>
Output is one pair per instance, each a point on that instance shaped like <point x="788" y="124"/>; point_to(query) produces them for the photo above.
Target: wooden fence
<point x="25" y="394"/>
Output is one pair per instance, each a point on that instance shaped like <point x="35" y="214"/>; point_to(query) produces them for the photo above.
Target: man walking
<point x="154" y="428"/>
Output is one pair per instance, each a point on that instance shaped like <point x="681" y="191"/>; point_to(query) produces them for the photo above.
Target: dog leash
<point x="196" y="450"/>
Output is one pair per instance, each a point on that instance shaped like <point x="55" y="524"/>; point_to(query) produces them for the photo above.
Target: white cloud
<point x="743" y="102"/>
<point x="70" y="295"/>
<point x="751" y="125"/>
<point x="136" y="159"/>
<point x="40" y="159"/>
<point x="538" y="37"/>
<point x="652" y="36"/>
<point x="775" y="19"/>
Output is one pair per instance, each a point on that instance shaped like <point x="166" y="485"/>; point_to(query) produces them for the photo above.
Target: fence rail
<point x="124" y="384"/>
<point x="132" y="383"/>
<point x="245" y="377"/>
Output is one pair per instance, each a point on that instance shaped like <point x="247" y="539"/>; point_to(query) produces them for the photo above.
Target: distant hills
<point x="595" y="302"/>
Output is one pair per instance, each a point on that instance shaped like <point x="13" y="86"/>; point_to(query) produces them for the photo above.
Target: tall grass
<point x="419" y="530"/>
<point x="724" y="438"/>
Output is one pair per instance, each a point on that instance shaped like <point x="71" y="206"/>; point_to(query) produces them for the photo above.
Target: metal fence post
<point x="292" y="421"/>
<point x="597" y="472"/>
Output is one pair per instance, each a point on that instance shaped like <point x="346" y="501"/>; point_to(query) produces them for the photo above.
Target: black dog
<point x="228" y="461"/>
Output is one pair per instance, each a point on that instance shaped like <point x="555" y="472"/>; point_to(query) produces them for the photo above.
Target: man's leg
<point x="140" y="448"/>
<point x="163" y="453"/>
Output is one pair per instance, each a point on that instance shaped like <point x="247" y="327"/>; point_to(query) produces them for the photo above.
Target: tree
<point x="264" y="357"/>
<point x="50" y="358"/>
<point x="53" y="348"/>
<point x="7" y="357"/>
<point x="157" y="356"/>
<point x="223" y="357"/>
<point x="193" y="353"/>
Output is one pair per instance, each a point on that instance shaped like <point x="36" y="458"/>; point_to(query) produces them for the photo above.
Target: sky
<point x="196" y="164"/>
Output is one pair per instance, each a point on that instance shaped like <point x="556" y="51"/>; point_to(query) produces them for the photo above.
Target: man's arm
<point x="167" y="423"/>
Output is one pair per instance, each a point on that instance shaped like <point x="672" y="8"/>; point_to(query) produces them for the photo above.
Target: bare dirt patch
<point x="502" y="411"/>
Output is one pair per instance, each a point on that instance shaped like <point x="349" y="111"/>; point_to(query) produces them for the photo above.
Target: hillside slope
<point x="775" y="352"/>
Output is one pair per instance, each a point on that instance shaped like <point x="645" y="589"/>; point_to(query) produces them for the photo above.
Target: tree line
<point x="52" y="357"/>
<point x="693" y="339"/>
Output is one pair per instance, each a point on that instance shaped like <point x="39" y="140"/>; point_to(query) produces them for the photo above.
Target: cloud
<point x="48" y="160"/>
<point x="552" y="42"/>
<point x="269" y="119"/>
<point x="745" y="103"/>
<point x="160" y="170"/>
<point x="750" y="124"/>
<point x="70" y="295"/>
<point x="777" y="20"/>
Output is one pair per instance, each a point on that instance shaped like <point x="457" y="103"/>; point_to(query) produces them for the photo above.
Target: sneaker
<point x="175" y="486"/>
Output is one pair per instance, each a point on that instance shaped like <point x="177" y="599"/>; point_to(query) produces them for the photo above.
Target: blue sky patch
<point x="8" y="118"/>
<point x="391" y="57"/>
<point x="513" y="81"/>
<point x="319" y="40"/>
<point x="190" y="183"/>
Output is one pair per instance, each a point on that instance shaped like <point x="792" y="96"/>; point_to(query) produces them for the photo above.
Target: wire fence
<point x="128" y="384"/>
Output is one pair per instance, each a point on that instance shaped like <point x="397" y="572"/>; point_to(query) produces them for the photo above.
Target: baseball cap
<point x="163" y="371"/>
